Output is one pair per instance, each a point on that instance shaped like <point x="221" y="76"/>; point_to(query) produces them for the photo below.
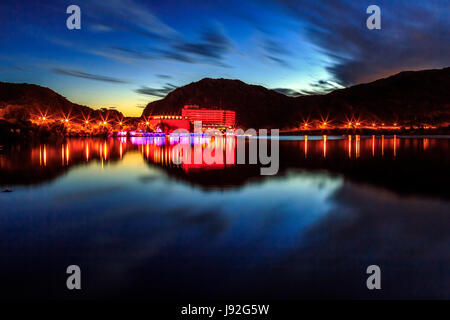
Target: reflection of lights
<point x="62" y="155"/>
<point x="67" y="154"/>
<point x="306" y="147"/>
<point x="324" y="146"/>
<point x="357" y="146"/>
<point x="395" y="146"/>
<point x="105" y="151"/>
<point x="349" y="146"/>
<point x="373" y="146"/>
<point x="425" y="143"/>
<point x="382" y="145"/>
<point x="45" y="155"/>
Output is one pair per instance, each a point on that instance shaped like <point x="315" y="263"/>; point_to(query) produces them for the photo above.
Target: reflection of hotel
<point x="210" y="118"/>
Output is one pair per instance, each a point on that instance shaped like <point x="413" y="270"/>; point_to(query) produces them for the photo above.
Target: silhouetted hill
<point x="412" y="96"/>
<point x="31" y="98"/>
<point x="255" y="105"/>
<point x="407" y="96"/>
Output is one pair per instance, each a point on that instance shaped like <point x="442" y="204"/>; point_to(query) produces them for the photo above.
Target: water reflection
<point x="160" y="150"/>
<point x="358" y="157"/>
<point x="145" y="227"/>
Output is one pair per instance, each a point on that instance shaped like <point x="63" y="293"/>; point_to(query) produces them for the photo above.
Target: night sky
<point x="131" y="52"/>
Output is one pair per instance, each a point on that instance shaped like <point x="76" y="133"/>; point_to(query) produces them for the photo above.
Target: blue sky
<point x="131" y="52"/>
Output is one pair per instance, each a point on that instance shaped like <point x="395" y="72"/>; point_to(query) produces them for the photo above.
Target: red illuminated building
<point x="169" y="123"/>
<point x="210" y="118"/>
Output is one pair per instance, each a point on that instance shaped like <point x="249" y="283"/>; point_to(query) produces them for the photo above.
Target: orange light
<point x="324" y="123"/>
<point x="120" y="123"/>
<point x="86" y="121"/>
<point x="43" y="118"/>
<point x="373" y="124"/>
<point x="349" y="123"/>
<point x="104" y="122"/>
<point x="147" y="123"/>
<point x="67" y="120"/>
<point x="358" y="123"/>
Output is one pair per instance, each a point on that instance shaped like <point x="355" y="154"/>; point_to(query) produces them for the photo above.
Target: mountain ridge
<point x="26" y="99"/>
<point x="408" y="96"/>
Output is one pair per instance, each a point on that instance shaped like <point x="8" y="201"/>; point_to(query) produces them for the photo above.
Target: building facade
<point x="210" y="118"/>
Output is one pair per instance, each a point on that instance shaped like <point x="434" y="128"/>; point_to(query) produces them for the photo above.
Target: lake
<point x="141" y="227"/>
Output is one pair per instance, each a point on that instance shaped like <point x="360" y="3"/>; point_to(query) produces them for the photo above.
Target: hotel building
<point x="210" y="118"/>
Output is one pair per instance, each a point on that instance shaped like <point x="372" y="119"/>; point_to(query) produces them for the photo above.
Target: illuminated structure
<point x="210" y="118"/>
<point x="168" y="123"/>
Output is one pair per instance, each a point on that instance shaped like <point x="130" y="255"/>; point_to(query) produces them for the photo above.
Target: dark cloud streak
<point x="288" y="92"/>
<point x="413" y="35"/>
<point x="84" y="75"/>
<point x="156" y="92"/>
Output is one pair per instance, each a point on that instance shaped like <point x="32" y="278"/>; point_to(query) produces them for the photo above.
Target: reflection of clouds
<point x="303" y="234"/>
<point x="407" y="237"/>
<point x="83" y="195"/>
<point x="166" y="224"/>
<point x="196" y="224"/>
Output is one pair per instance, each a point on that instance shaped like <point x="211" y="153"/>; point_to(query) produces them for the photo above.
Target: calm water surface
<point x="140" y="226"/>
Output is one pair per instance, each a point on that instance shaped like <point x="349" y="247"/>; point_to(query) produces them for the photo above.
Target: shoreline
<point x="23" y="131"/>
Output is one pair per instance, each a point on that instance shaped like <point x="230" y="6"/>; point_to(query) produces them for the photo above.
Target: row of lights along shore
<point x="304" y="126"/>
<point x="67" y="120"/>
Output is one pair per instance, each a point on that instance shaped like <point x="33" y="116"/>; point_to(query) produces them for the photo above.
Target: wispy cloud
<point x="212" y="44"/>
<point x="276" y="52"/>
<point x="84" y="75"/>
<point x="288" y="92"/>
<point x="414" y="35"/>
<point x="127" y="15"/>
<point x="163" y="76"/>
<point x="156" y="92"/>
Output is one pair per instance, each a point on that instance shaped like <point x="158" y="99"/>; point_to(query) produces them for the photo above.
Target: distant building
<point x="210" y="118"/>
